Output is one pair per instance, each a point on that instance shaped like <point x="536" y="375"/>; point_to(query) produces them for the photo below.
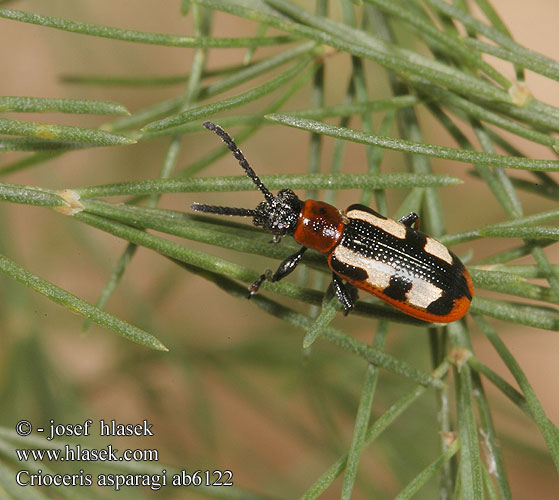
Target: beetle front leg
<point x="410" y="220"/>
<point x="282" y="271"/>
<point x="342" y="294"/>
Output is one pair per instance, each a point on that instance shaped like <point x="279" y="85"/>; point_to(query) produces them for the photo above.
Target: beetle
<point x="390" y="259"/>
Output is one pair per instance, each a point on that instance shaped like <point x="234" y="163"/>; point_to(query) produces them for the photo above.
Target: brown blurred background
<point x="235" y="392"/>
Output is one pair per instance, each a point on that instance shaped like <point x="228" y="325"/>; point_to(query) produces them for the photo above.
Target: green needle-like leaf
<point x="547" y="232"/>
<point x="113" y="280"/>
<point x="328" y="312"/>
<point x="470" y="460"/>
<point x="357" y="43"/>
<point x="511" y="284"/>
<point x="359" y="439"/>
<point x="538" y="317"/>
<point x="508" y="390"/>
<point x="504" y="228"/>
<point x="63" y="133"/>
<point x="548" y="429"/>
<point x="375" y="356"/>
<point x="44" y="148"/>
<point x="450" y="44"/>
<point x="342" y="110"/>
<point x="139" y="36"/>
<point x="413" y="487"/>
<point x="374" y="431"/>
<point x="459" y="155"/>
<point x="493" y="34"/>
<point x="75" y="304"/>
<point x="520" y="59"/>
<point x="228" y="103"/>
<point x="273" y="182"/>
<point x="30" y="195"/>
<point x="48" y="105"/>
<point x="243" y="75"/>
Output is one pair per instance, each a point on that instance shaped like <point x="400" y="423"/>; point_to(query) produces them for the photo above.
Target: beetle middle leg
<point x="286" y="267"/>
<point x="342" y="294"/>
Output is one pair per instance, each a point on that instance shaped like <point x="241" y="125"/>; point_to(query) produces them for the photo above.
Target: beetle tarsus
<point x="286" y="267"/>
<point x="255" y="285"/>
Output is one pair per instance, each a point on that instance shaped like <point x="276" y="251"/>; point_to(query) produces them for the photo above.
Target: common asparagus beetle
<point x="390" y="259"/>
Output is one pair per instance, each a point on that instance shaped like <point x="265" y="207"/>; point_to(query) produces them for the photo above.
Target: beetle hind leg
<point x="342" y="294"/>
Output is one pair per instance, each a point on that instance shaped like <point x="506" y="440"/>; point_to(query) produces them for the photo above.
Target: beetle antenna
<point x="215" y="209"/>
<point x="237" y="153"/>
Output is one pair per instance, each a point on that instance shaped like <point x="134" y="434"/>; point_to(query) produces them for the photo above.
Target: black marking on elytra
<point x="442" y="306"/>
<point x="417" y="240"/>
<point x="346" y="270"/>
<point x="461" y="284"/>
<point x="397" y="288"/>
<point x="464" y="287"/>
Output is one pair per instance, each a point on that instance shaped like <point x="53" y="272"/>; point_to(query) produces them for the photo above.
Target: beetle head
<point x="279" y="216"/>
<point x="276" y="214"/>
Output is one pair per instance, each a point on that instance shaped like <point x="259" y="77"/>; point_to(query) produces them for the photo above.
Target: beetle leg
<point x="342" y="294"/>
<point x="282" y="271"/>
<point x="410" y="220"/>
